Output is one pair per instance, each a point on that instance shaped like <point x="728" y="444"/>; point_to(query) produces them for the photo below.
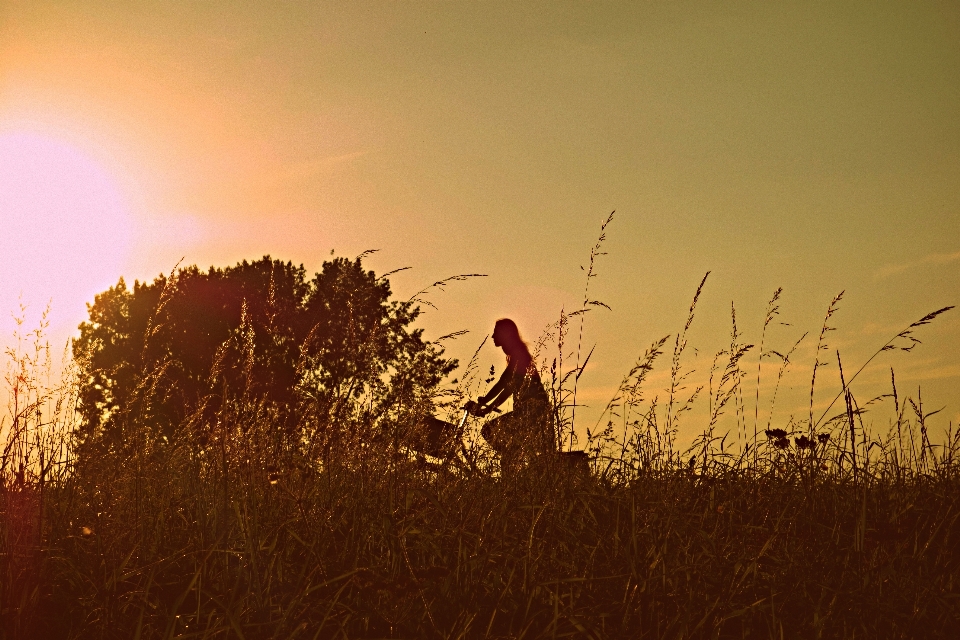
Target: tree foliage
<point x="172" y="352"/>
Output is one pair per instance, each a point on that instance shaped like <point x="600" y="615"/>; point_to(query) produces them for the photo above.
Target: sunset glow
<point x="489" y="319"/>
<point x="66" y="230"/>
<point x="813" y="149"/>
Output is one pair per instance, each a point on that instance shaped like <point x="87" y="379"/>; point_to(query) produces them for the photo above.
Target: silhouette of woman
<point x="527" y="430"/>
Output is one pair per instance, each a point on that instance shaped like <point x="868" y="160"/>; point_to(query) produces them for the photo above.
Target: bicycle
<point x="440" y="445"/>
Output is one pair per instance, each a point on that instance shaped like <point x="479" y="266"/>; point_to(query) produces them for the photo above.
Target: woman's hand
<point x="474" y="408"/>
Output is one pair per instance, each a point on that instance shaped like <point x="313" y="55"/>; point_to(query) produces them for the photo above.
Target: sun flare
<point x="66" y="230"/>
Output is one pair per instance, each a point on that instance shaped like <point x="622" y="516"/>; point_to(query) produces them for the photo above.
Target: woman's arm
<point x="498" y="394"/>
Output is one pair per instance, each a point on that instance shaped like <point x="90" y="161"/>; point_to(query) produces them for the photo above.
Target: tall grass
<point x="822" y="529"/>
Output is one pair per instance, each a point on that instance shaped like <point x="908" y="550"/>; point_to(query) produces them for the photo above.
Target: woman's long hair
<point x="510" y="337"/>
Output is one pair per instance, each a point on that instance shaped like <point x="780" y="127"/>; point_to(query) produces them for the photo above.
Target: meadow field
<point x="310" y="517"/>
<point x="252" y="451"/>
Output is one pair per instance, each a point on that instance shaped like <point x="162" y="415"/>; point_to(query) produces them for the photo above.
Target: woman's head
<point x="507" y="336"/>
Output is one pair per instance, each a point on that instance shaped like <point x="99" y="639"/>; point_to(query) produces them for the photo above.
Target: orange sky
<point x="814" y="147"/>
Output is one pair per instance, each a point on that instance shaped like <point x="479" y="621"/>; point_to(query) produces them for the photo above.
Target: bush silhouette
<point x="171" y="353"/>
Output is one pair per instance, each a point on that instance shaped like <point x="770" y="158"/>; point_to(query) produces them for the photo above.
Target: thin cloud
<point x="933" y="258"/>
<point x="309" y="168"/>
<point x="298" y="171"/>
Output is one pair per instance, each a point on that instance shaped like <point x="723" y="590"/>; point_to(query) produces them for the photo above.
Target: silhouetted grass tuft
<point x="238" y="530"/>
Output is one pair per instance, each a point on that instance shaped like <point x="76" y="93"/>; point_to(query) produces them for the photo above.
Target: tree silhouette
<point x="169" y="352"/>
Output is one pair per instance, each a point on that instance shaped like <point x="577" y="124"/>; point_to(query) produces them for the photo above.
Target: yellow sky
<point x="809" y="146"/>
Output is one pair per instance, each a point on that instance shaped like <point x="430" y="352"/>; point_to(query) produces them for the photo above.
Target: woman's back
<point x="526" y="384"/>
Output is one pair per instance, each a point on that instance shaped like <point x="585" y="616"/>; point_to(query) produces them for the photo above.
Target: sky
<point x="813" y="146"/>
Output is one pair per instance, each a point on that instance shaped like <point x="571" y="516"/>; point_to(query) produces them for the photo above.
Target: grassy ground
<point x="169" y="545"/>
<point x="252" y="537"/>
<point x="239" y="530"/>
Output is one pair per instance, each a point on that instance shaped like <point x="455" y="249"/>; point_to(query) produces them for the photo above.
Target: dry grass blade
<point x="418" y="297"/>
<point x="773" y="310"/>
<point x="824" y="329"/>
<point x="676" y="378"/>
<point x="595" y="252"/>
<point x="395" y="271"/>
<point x="905" y="334"/>
<point x="452" y="336"/>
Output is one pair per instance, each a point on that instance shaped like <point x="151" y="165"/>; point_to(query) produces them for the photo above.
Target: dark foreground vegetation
<point x="240" y="473"/>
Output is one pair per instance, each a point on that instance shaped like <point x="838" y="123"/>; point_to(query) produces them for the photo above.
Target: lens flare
<point x="65" y="230"/>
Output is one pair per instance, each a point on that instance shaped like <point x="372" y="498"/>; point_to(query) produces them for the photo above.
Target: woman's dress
<point x="527" y="431"/>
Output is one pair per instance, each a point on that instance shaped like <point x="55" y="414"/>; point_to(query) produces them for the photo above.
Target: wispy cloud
<point x="933" y="258"/>
<point x="303" y="170"/>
